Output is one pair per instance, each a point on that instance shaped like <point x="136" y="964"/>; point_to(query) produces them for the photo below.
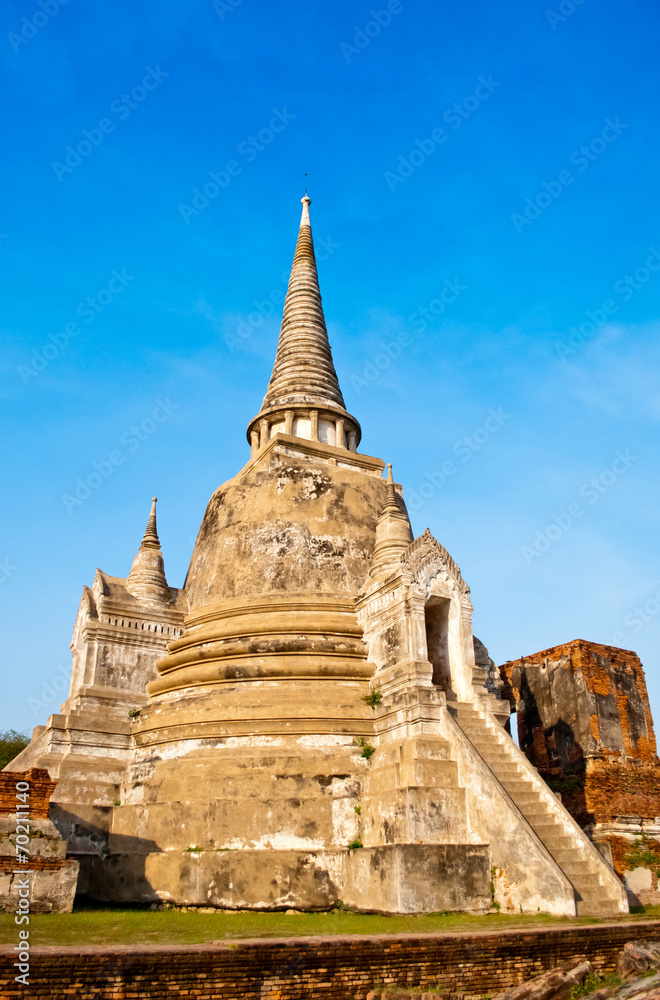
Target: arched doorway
<point x="436" y="620"/>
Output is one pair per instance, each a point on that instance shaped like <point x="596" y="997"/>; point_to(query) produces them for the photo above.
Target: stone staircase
<point x="598" y="891"/>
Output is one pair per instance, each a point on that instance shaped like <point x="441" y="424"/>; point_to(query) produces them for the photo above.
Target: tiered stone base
<point x="396" y="878"/>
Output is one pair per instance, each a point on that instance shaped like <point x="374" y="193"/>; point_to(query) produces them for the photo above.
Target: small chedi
<point x="584" y="721"/>
<point x="309" y="719"/>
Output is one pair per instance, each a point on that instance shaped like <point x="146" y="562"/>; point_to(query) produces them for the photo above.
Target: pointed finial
<point x="306" y="202"/>
<point x="393" y="534"/>
<point x="151" y="539"/>
<point x="390" y="501"/>
<point x="304" y="377"/>
<point x="146" y="580"/>
<point x="305" y="184"/>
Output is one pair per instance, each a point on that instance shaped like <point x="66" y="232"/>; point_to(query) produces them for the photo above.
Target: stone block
<point x="418" y="878"/>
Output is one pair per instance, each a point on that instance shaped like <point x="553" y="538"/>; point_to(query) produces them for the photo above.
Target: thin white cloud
<point x="618" y="372"/>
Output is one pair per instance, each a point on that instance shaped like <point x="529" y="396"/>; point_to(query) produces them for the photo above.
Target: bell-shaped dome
<point x="286" y="524"/>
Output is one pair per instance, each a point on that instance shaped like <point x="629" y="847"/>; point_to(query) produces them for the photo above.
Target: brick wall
<point x="323" y="968"/>
<point x="613" y="789"/>
<point x="41" y="789"/>
<point x="36" y="863"/>
<point x="584" y="721"/>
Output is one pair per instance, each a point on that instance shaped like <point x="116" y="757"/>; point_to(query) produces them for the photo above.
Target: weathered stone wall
<point x="584" y="721"/>
<point x="31" y="834"/>
<point x="577" y="700"/>
<point x="117" y="639"/>
<point x="327" y="969"/>
<point x="394" y="878"/>
<point x="52" y="884"/>
<point x="289" y="522"/>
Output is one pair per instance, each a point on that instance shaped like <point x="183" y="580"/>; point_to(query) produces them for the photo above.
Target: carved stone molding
<point x="426" y="558"/>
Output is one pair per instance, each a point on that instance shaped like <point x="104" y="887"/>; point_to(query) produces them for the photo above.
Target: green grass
<point x="593" y="983"/>
<point x="131" y="926"/>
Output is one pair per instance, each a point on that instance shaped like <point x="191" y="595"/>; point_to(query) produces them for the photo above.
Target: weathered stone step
<point x="554" y="844"/>
<point x="552" y="833"/>
<point x="496" y="756"/>
<point x="582" y="872"/>
<point x="568" y="853"/>
<point x="603" y="904"/>
<point x="536" y="814"/>
<point x="592" y="908"/>
<point x="532" y="804"/>
<point x="512" y="772"/>
<point x="515" y="786"/>
<point x="509" y="773"/>
<point x="579" y="869"/>
<point x="598" y="895"/>
<point x="478" y="734"/>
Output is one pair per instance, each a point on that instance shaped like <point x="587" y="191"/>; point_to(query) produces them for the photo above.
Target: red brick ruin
<point x="585" y="723"/>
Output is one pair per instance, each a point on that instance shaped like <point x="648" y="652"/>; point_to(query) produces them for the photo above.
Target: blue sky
<point x="501" y="156"/>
